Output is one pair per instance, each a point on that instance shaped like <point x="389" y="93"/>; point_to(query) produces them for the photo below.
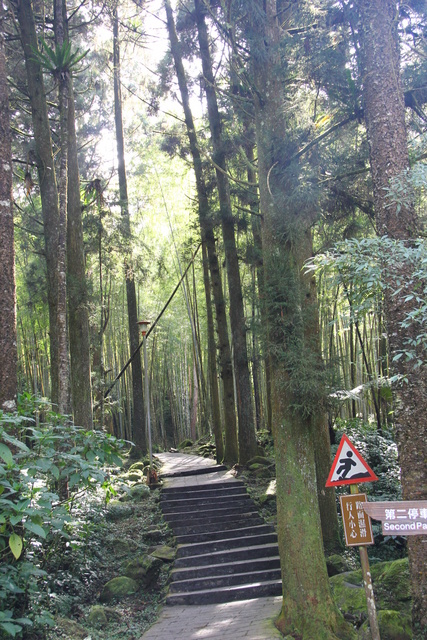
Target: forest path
<point x="244" y="619"/>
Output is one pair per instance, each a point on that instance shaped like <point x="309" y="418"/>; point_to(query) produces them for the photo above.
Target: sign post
<point x="367" y="581"/>
<point x="350" y="468"/>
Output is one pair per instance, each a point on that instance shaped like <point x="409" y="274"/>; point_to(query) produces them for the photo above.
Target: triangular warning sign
<point x="349" y="467"/>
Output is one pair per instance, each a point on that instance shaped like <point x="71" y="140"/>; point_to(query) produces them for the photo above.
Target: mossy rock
<point x="348" y="595"/>
<point x="118" y="511"/>
<point x="395" y="579"/>
<point x="263" y="472"/>
<point x="185" y="443"/>
<point x="153" y="536"/>
<point x="135" y="475"/>
<point x="97" y="617"/>
<point x="255" y="466"/>
<point x="144" y="569"/>
<point x="391" y="588"/>
<point x="118" y="588"/>
<point x="267" y="499"/>
<point x="138" y="466"/>
<point x="139" y="492"/>
<point x="70" y="629"/>
<point x="336" y="564"/>
<point x="393" y="626"/>
<point x="260" y="460"/>
<point x="165" y="553"/>
<point x="122" y="547"/>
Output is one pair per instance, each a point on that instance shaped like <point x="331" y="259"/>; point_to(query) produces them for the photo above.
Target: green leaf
<point x="10" y="628"/>
<point x="35" y="528"/>
<point x="16" y="545"/>
<point x="55" y="471"/>
<point x="6" y="454"/>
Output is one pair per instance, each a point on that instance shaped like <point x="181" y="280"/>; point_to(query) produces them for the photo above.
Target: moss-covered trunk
<point x="308" y="611"/>
<point x="385" y="120"/>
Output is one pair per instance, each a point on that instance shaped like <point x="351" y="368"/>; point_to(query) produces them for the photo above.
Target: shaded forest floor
<point x="117" y="533"/>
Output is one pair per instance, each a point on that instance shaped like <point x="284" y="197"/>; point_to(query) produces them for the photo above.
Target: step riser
<point x="229" y="595"/>
<point x="259" y="529"/>
<point x="237" y="523"/>
<point x="198" y="489"/>
<point x="204" y="494"/>
<point x="195" y="472"/>
<point x="218" y="570"/>
<point x="223" y="557"/>
<point x="218" y="526"/>
<point x="169" y="506"/>
<point x="225" y="545"/>
<point x="209" y="514"/>
<point x="231" y="580"/>
<point x="218" y="519"/>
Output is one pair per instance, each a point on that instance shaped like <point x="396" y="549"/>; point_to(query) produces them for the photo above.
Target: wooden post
<point x="367" y="582"/>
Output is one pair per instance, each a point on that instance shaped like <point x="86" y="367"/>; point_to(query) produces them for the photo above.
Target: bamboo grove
<point x="239" y="154"/>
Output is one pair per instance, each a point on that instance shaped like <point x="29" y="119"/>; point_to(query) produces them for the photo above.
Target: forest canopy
<point x="250" y="178"/>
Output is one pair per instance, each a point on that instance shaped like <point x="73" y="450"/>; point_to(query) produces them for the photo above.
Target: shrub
<point x="42" y="470"/>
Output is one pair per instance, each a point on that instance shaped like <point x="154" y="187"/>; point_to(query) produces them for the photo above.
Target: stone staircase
<point x="225" y="550"/>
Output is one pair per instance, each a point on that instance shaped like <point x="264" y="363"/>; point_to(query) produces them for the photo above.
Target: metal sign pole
<point x="367" y="582"/>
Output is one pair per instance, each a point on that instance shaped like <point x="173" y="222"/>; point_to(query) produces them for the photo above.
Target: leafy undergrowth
<point x="115" y="535"/>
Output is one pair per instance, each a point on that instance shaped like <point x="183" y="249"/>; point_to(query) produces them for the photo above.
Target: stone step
<point x="236" y="522"/>
<point x="227" y="556"/>
<point x="227" y="594"/>
<point x="168" y="506"/>
<point x="228" y="580"/>
<point x="208" y="536"/>
<point x="202" y="548"/>
<point x="260" y="564"/>
<point x="203" y="491"/>
<point x="210" y="515"/>
<point x="195" y="472"/>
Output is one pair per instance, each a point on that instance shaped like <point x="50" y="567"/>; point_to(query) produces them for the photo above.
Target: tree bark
<point x="78" y="315"/>
<point x="47" y="178"/>
<point x="8" y="349"/>
<point x="213" y="372"/>
<point x="384" y="111"/>
<point x="230" y="451"/>
<point x="138" y="426"/>
<point x="308" y="610"/>
<point x="62" y="76"/>
<point x="248" y="447"/>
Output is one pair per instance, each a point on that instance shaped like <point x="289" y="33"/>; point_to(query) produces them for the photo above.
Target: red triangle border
<point x="337" y="483"/>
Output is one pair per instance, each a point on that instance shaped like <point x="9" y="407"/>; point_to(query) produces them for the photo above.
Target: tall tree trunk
<point x="138" y="426"/>
<point x="78" y="314"/>
<point x="8" y="348"/>
<point x="385" y="121"/>
<point x="230" y="451"/>
<point x="47" y="177"/>
<point x="213" y="373"/>
<point x="248" y="447"/>
<point x="62" y="76"/>
<point x="257" y="237"/>
<point x="308" y="610"/>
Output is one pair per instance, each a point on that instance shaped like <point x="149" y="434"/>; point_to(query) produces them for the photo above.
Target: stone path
<point x="241" y="620"/>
